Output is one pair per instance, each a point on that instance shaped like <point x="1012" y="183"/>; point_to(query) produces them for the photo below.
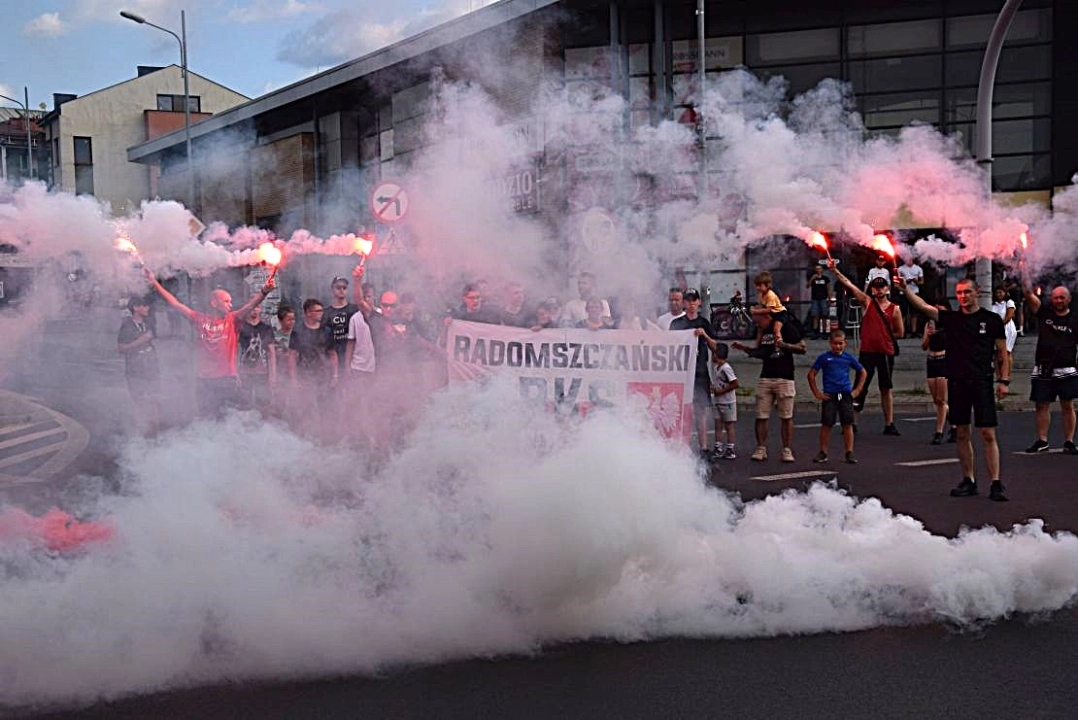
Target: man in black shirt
<point x="974" y="336"/>
<point x="1055" y="374"/>
<point x="776" y="389"/>
<point x="135" y="343"/>
<point x="336" y="317"/>
<point x="820" y="289"/>
<point x="701" y="395"/>
<point x="257" y="362"/>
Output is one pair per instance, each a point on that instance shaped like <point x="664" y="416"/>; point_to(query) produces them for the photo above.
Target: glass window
<point x="1015" y="65"/>
<point x="894" y="38"/>
<point x="785" y="47"/>
<point x="973" y="30"/>
<point x="84" y="179"/>
<point x="1021" y="136"/>
<point x="164" y="102"/>
<point x="1021" y="172"/>
<point x="84" y="154"/>
<point x="1009" y="101"/>
<point x="906" y="73"/>
<point x="803" y="77"/>
<point x="194" y="104"/>
<point x="900" y="109"/>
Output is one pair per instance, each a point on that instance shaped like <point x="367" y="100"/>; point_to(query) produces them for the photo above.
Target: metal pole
<point x="985" y="87"/>
<point x="187" y="110"/>
<point x="701" y="129"/>
<point x="29" y="136"/>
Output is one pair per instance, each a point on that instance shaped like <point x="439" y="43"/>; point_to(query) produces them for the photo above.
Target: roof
<point x="459" y="28"/>
<point x="13" y="113"/>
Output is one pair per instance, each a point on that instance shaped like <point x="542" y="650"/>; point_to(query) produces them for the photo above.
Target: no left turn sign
<point x="389" y="202"/>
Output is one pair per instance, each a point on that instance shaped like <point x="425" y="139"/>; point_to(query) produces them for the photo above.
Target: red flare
<point x="125" y="244"/>
<point x="1024" y="239"/>
<point x="881" y="243"/>
<point x="365" y="245"/>
<point x="270" y="254"/>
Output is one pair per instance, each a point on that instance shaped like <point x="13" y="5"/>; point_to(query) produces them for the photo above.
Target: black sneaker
<point x="966" y="488"/>
<point x="821" y="457"/>
<point x="1038" y="446"/>
<point x="952" y="435"/>
<point x="850" y="458"/>
<point x="890" y="430"/>
<point x="996" y="491"/>
<point x="1069" y="448"/>
<point x="937" y="439"/>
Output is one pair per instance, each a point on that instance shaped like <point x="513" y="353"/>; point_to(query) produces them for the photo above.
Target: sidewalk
<point x="911" y="393"/>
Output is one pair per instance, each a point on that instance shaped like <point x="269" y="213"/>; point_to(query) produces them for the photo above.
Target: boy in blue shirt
<point x="837" y="395"/>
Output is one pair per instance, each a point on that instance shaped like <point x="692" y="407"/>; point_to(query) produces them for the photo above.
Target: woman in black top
<point x="934" y="342"/>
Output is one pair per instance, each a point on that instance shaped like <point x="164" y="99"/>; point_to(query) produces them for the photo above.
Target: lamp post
<point x="182" y="40"/>
<point x="985" y="88"/>
<point x="29" y="136"/>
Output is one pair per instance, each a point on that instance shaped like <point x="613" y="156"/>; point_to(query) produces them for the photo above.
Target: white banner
<point x="581" y="371"/>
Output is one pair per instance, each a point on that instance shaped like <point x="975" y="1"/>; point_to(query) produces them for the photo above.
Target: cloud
<point x="265" y="10"/>
<point x="47" y="25"/>
<point x="348" y="34"/>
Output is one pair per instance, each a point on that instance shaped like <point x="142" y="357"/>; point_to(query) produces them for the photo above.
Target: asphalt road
<point x="1021" y="667"/>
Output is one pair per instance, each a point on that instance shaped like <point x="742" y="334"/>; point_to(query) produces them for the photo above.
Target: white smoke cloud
<point x="261" y="564"/>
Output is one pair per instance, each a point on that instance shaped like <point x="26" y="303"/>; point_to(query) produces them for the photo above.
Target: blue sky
<point x="251" y="46"/>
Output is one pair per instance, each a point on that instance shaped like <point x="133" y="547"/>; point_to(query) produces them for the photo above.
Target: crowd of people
<point x="361" y="357"/>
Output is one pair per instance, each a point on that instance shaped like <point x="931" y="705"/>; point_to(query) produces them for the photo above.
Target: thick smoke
<point x="260" y="563"/>
<point x="245" y="551"/>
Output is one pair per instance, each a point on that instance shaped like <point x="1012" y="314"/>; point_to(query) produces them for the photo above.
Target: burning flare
<point x="819" y="241"/>
<point x="881" y="243"/>
<point x="270" y="254"/>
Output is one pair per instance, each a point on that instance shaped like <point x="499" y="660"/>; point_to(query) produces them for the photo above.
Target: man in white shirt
<point x="914" y="276"/>
<point x="677" y="308"/>
<point x="359" y="364"/>
<point x="575" y="309"/>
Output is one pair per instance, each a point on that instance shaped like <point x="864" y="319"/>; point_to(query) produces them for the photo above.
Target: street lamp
<point x="182" y="40"/>
<point x="29" y="136"/>
<point x="983" y="267"/>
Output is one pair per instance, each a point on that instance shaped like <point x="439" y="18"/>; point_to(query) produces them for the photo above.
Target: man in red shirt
<point x="881" y="324"/>
<point x="218" y="345"/>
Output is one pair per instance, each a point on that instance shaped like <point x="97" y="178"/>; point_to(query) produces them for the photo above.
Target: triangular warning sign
<point x="392" y="244"/>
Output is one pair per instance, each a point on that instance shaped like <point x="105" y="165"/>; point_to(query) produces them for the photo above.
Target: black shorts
<point x="701" y="394"/>
<point x="936" y="367"/>
<point x="976" y="396"/>
<point x="1046" y="390"/>
<point x="839" y="404"/>
<point x="780" y="316"/>
<point x="877" y="362"/>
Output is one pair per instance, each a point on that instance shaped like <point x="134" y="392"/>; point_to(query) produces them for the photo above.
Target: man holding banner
<point x="701" y="395"/>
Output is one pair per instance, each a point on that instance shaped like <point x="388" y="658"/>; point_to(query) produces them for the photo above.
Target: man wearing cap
<point x="701" y="396"/>
<point x="336" y="316"/>
<point x="880" y="271"/>
<point x="881" y="325"/>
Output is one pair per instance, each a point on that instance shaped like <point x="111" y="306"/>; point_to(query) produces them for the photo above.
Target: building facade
<point x="16" y="164"/>
<point x="337" y="134"/>
<point x="88" y="136"/>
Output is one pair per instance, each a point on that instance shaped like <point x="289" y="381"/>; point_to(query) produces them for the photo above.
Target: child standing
<point x="837" y="395"/>
<point x="769" y="303"/>
<point x="723" y="402"/>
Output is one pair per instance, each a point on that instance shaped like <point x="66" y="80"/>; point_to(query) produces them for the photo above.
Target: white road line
<point x="922" y="463"/>
<point x="23" y="439"/>
<point x="29" y="454"/>
<point x="1023" y="453"/>
<point x="808" y="425"/>
<point x="5" y="429"/>
<point x="795" y="475"/>
<point x="920" y="419"/>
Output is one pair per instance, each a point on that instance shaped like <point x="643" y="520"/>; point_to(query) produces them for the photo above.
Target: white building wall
<point x="114" y="120"/>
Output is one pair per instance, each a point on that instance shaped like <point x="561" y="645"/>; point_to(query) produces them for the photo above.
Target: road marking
<point x="795" y="475"/>
<point x="9" y="429"/>
<point x="920" y="419"/>
<point x="22" y="439"/>
<point x="1023" y="453"/>
<point x="808" y="425"/>
<point x="923" y="463"/>
<point x="28" y="455"/>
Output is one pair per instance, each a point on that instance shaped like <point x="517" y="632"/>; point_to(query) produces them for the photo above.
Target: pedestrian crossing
<point x="36" y="443"/>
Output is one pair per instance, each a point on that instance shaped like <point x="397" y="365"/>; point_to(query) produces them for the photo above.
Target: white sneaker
<point x="787" y="455"/>
<point x="730" y="454"/>
<point x="759" y="454"/>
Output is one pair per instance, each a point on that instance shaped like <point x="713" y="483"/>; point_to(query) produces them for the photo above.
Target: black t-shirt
<point x="255" y="342"/>
<point x="819" y="285"/>
<point x="310" y="347"/>
<point x="781" y="367"/>
<point x="971" y="342"/>
<point x="1057" y="339"/>
<point x="684" y="323"/>
<point x="336" y="319"/>
<point x="142" y="361"/>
